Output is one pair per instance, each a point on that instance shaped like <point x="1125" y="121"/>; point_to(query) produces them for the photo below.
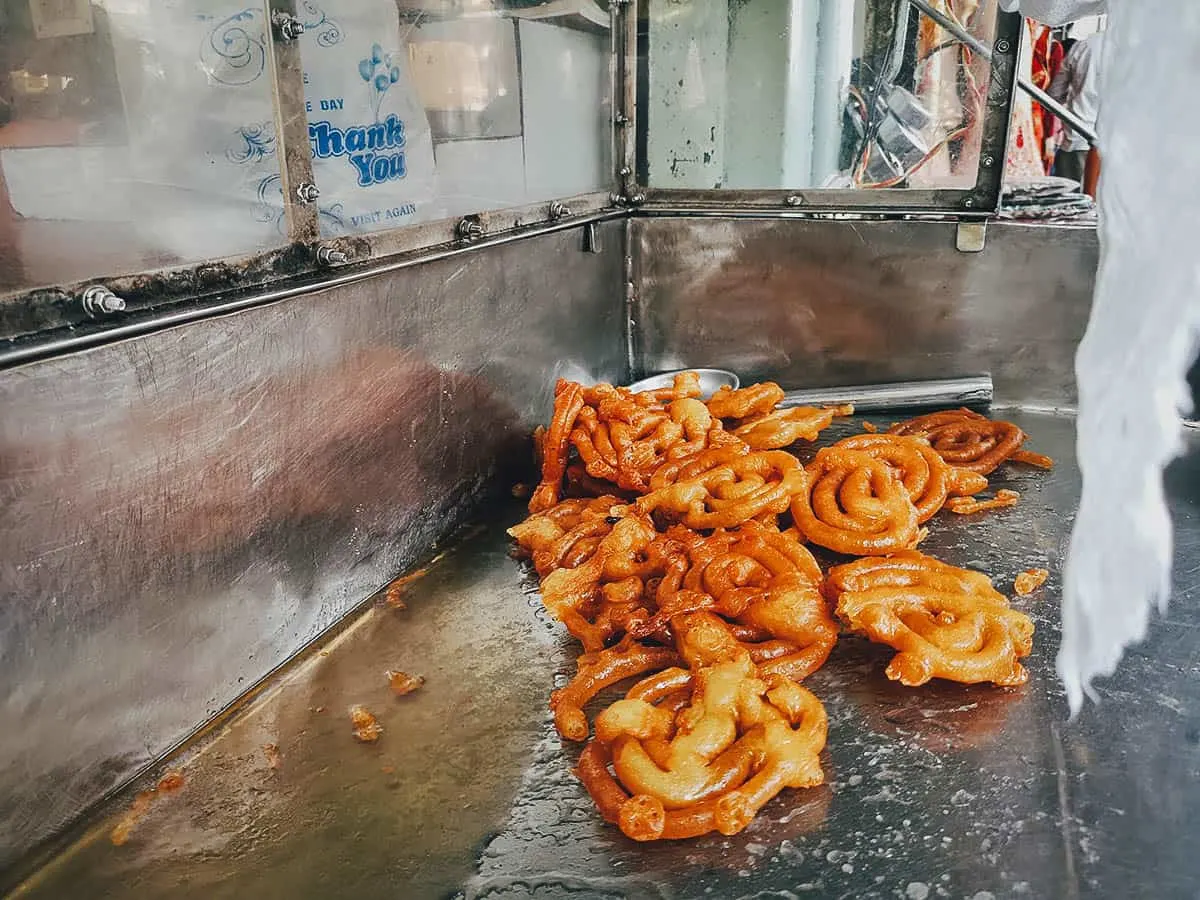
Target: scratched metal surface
<point x="182" y="512"/>
<point x="943" y="791"/>
<point x="816" y="303"/>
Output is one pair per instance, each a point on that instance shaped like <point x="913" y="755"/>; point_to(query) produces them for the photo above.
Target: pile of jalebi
<point x="669" y="534"/>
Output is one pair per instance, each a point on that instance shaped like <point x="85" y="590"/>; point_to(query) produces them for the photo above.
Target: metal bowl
<point x="710" y="381"/>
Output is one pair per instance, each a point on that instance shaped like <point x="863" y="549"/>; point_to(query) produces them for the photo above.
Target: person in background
<point x="1076" y="86"/>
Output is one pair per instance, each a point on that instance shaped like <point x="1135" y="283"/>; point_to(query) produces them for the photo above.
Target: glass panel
<point x="766" y="94"/>
<point x="431" y="109"/>
<point x="133" y="134"/>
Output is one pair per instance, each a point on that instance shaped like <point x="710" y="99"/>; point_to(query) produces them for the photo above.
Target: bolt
<point x="469" y="228"/>
<point x="794" y="200"/>
<point x="331" y="256"/>
<point x="558" y="209"/>
<point x="287" y="26"/>
<point x="637" y="199"/>
<point x="625" y="171"/>
<point x="616" y="199"/>
<point x="989" y="161"/>
<point x="99" y="300"/>
<point x="1003" y="46"/>
<point x="306" y="192"/>
<point x="620" y="120"/>
<point x="969" y="203"/>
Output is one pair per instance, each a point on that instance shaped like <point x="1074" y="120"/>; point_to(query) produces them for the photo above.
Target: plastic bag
<point x="371" y="142"/>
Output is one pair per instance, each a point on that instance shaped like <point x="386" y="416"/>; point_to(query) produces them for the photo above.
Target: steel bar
<point x="973" y="390"/>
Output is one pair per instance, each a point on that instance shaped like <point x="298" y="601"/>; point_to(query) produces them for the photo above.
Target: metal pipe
<point x="1068" y="117"/>
<point x="971" y="390"/>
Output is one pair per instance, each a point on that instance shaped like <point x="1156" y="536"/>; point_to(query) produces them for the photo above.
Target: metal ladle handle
<point x="972" y="390"/>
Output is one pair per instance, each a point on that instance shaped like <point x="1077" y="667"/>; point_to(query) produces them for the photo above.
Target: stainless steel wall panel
<point x="812" y="303"/>
<point x="181" y="512"/>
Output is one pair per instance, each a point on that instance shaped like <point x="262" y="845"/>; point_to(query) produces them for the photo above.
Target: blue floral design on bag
<point x="317" y="21"/>
<point x="235" y="50"/>
<point x="257" y="143"/>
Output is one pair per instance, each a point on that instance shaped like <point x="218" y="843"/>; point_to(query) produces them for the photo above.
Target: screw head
<point x="306" y="192"/>
<point x="989" y="161"/>
<point x="794" y="200"/>
<point x="969" y="203"/>
<point x="1003" y="46"/>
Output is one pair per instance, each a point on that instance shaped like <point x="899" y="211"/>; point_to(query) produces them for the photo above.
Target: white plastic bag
<point x="371" y="141"/>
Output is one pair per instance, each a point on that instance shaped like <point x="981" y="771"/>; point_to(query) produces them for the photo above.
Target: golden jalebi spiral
<point x="784" y="427"/>
<point x="946" y="622"/>
<point x="967" y="439"/>
<point x="927" y="477"/>
<point x="567" y="534"/>
<point x="623" y="440"/>
<point x="552" y="445"/>
<point x="855" y="505"/>
<point x="598" y="671"/>
<point x="764" y="580"/>
<point x="705" y="748"/>
<point x="724" y="488"/>
<point x="754" y="400"/>
<point x="599" y="599"/>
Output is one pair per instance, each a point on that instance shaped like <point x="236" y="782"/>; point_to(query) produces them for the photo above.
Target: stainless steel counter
<point x="943" y="791"/>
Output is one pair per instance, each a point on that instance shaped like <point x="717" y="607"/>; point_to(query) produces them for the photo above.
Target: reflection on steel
<point x="1003" y="46"/>
<point x="940" y="791"/>
<point x="973" y="390"/>
<point x="100" y="301"/>
<point x="182" y="512"/>
<point x="818" y="303"/>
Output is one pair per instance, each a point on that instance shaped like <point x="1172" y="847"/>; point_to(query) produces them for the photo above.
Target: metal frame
<point x="981" y="200"/>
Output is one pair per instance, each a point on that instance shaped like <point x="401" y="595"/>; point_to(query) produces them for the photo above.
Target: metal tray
<point x="943" y="791"/>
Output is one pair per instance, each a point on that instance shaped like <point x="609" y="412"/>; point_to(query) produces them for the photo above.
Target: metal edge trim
<point x="50" y="344"/>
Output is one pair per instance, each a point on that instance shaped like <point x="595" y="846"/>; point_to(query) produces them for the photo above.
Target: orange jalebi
<point x="966" y="506"/>
<point x="599" y="599"/>
<point x="1029" y="581"/>
<point x="552" y="445"/>
<point x="598" y="671"/>
<point x="755" y="400"/>
<point x="946" y="622"/>
<point x="724" y="488"/>
<point x="784" y="427"/>
<point x="669" y="564"/>
<point x="709" y="763"/>
<point x="926" y="476"/>
<point x="969" y="440"/>
<point x="855" y="505"/>
<point x="766" y="581"/>
<point x="566" y="534"/>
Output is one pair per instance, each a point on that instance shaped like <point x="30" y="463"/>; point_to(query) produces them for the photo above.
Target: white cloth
<point x="1143" y="333"/>
<point x="1077" y="85"/>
